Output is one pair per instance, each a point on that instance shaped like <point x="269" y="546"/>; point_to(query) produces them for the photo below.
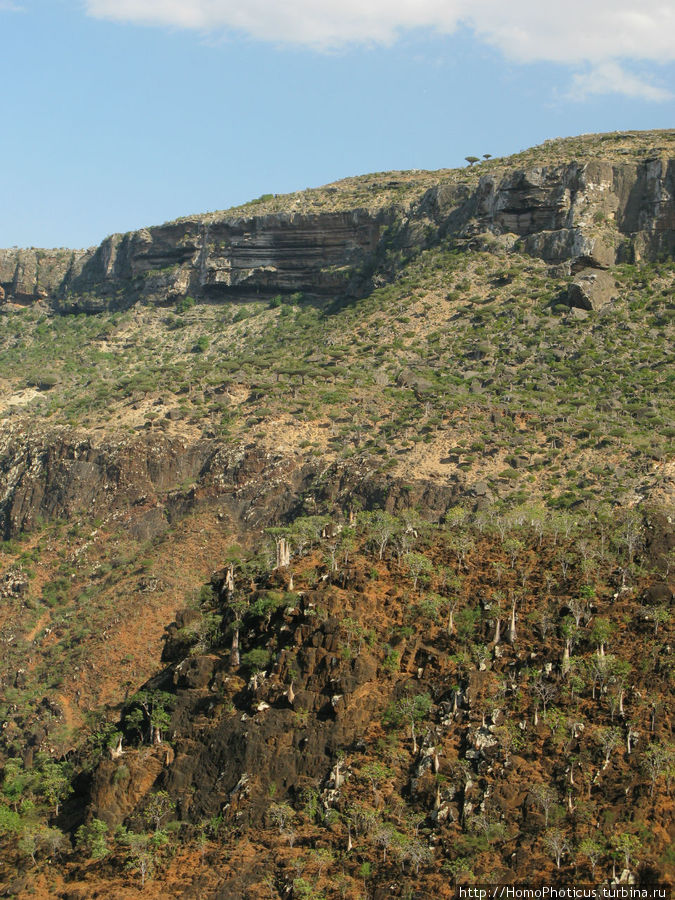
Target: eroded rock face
<point x="582" y="215"/>
<point x="238" y="741"/>
<point x="29" y="275"/>
<point x="62" y="474"/>
<point x="119" y="785"/>
<point x="231" y="257"/>
<point x="590" y="214"/>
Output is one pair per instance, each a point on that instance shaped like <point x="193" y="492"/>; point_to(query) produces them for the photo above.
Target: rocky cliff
<point x="581" y="213"/>
<point x="29" y="275"/>
<point x="237" y="258"/>
<point x="230" y="620"/>
<point x="598" y="213"/>
<point x="60" y="474"/>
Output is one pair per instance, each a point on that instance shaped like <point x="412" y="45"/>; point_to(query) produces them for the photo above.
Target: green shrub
<point x="184" y="304"/>
<point x="43" y="382"/>
<point x="256" y="660"/>
<point x="93" y="839"/>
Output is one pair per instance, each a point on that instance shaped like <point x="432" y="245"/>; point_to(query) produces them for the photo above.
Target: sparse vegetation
<point x="419" y="538"/>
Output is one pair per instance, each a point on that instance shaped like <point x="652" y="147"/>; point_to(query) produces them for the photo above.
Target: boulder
<point x="592" y="289"/>
<point x="118" y="786"/>
<point x="658" y="595"/>
<point x="195" y="672"/>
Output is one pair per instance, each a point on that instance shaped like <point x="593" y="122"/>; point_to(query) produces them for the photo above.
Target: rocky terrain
<point x="585" y="213"/>
<point x="337" y="539"/>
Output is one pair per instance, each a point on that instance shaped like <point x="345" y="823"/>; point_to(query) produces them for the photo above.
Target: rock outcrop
<point x="59" y="474"/>
<point x="29" y="275"/>
<point x="591" y="290"/>
<point x="231" y="257"/>
<point x="579" y="214"/>
<point x="154" y="479"/>
<point x="588" y="215"/>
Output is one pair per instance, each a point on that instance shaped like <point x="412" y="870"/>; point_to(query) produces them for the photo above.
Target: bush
<point x="184" y="304"/>
<point x="93" y="839"/>
<point x="43" y="382"/>
<point x="268" y="602"/>
<point x="256" y="660"/>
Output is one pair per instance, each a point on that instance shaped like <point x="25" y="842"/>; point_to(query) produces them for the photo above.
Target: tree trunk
<point x="234" y="653"/>
<point x="283" y="554"/>
<point x="511" y="633"/>
<point x="629" y="738"/>
<point x="565" y="665"/>
<point x="229" y="582"/>
<point x="338" y="777"/>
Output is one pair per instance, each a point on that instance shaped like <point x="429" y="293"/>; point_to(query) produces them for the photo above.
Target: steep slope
<point x="450" y="394"/>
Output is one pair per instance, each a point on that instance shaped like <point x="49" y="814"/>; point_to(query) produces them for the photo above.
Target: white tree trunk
<point x="283" y="554"/>
<point x="229" y="582"/>
<point x="565" y="665"/>
<point x="511" y="633"/>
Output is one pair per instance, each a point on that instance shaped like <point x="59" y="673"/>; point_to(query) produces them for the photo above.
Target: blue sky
<point x="122" y="113"/>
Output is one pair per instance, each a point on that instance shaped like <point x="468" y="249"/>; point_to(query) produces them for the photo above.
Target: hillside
<point x="338" y="539"/>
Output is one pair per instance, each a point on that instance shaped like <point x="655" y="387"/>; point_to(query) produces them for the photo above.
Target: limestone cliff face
<point x="596" y="214"/>
<point x="28" y="275"/>
<point x="228" y="258"/>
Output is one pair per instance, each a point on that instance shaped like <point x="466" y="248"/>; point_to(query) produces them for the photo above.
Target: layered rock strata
<point x="590" y="215"/>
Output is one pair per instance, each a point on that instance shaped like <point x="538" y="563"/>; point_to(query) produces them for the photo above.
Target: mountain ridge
<point x="325" y="241"/>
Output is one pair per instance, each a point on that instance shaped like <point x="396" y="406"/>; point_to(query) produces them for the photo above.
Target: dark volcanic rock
<point x="113" y="797"/>
<point x="59" y="474"/>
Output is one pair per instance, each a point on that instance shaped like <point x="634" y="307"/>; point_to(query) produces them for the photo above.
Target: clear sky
<point x="122" y="113"/>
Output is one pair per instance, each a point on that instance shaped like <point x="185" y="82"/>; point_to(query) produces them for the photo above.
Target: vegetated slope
<point x="403" y="704"/>
<point x="496" y="356"/>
